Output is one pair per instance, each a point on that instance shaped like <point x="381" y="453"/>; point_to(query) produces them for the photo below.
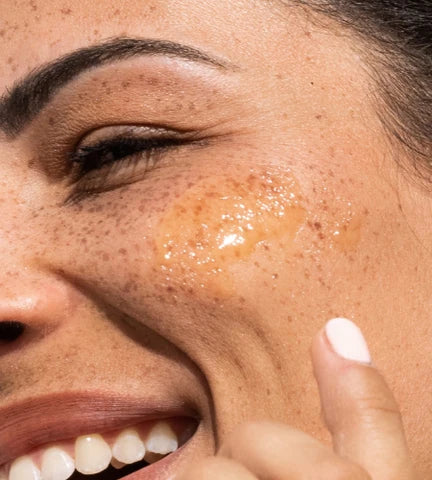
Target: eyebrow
<point x="28" y="96"/>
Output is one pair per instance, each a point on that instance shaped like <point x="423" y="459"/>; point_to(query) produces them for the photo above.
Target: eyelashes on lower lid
<point x="94" y="166"/>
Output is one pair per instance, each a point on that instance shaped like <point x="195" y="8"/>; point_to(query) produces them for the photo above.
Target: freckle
<point x="318" y="117"/>
<point x="122" y="251"/>
<point x="66" y="11"/>
<point x="105" y="257"/>
<point x="95" y="32"/>
<point x="116" y="12"/>
<point x="125" y="84"/>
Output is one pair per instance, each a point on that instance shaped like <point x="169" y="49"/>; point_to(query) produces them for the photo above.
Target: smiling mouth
<point x="98" y="435"/>
<point x="104" y="456"/>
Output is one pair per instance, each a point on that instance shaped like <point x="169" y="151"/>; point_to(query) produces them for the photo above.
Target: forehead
<point x="279" y="51"/>
<point x="36" y="31"/>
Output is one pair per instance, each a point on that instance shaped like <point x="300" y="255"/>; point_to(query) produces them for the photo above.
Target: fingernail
<point x="347" y="340"/>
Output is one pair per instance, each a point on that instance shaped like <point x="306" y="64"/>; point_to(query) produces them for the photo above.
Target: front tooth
<point x="23" y="468"/>
<point x="128" y="447"/>
<point x="57" y="465"/>
<point x="161" y="439"/>
<point x="92" y="454"/>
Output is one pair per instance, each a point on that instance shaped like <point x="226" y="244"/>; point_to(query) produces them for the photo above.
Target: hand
<point x="360" y="413"/>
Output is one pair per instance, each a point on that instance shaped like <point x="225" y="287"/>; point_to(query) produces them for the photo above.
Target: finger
<point x="216" y="468"/>
<point x="274" y="451"/>
<point x="359" y="409"/>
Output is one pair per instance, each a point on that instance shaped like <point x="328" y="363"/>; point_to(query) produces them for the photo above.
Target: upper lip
<point x="61" y="416"/>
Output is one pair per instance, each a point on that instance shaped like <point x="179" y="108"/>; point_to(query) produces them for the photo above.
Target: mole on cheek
<point x="221" y="221"/>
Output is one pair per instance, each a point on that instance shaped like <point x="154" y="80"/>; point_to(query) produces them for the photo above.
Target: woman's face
<point x="192" y="277"/>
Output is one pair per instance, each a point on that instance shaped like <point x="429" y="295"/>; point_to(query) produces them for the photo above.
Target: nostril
<point x="10" y="331"/>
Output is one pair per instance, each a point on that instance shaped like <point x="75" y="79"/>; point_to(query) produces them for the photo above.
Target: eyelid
<point x="88" y="177"/>
<point x="113" y="131"/>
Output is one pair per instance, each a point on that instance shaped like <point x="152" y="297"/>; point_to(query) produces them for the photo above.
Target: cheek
<point x="244" y="232"/>
<point x="221" y="221"/>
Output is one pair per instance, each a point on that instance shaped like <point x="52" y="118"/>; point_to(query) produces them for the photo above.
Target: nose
<point x="10" y="331"/>
<point x="34" y="299"/>
<point x="31" y="308"/>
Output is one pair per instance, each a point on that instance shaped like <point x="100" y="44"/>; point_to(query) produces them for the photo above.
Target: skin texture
<point x="227" y="330"/>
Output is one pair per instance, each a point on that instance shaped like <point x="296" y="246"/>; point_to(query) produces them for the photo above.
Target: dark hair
<point x="398" y="36"/>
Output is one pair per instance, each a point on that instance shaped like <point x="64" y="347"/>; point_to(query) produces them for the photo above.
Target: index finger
<point x="359" y="409"/>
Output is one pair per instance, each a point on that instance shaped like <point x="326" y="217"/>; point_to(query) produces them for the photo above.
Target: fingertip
<point x="347" y="340"/>
<point x="340" y="344"/>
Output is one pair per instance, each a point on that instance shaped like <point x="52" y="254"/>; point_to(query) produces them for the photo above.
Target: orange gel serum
<point x="222" y="220"/>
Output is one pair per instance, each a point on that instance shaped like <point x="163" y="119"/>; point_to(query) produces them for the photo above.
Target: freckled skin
<point x="129" y="292"/>
<point x="223" y="221"/>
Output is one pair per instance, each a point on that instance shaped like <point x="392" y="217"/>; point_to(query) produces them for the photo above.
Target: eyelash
<point x="112" y="155"/>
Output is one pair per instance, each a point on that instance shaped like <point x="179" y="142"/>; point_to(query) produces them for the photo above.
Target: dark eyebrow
<point x="27" y="97"/>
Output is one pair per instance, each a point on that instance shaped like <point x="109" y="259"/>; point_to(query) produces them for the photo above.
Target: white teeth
<point x="92" y="454"/>
<point x="161" y="439"/>
<point x="57" y="465"/>
<point x="23" y="468"/>
<point x="128" y="447"/>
